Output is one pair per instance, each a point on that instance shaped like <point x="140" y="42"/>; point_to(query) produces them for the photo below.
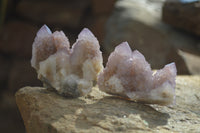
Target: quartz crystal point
<point x="127" y="74"/>
<point x="71" y="72"/>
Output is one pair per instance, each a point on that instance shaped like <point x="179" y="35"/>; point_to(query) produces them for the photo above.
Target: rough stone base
<point x="45" y="111"/>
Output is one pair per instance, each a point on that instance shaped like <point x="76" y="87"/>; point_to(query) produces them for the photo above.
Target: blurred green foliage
<point x="3" y="6"/>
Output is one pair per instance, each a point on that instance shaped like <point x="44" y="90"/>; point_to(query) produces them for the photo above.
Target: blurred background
<point x="163" y="30"/>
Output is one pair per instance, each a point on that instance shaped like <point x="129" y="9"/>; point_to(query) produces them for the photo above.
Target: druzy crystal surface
<point x="71" y="72"/>
<point x="127" y="74"/>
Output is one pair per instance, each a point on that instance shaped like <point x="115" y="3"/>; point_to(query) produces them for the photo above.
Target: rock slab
<point x="44" y="111"/>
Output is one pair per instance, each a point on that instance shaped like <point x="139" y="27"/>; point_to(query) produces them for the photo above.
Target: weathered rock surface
<point x="183" y="15"/>
<point x="47" y="112"/>
<point x="139" y="23"/>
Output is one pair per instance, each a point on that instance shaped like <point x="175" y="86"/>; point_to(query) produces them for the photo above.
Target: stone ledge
<point x="45" y="111"/>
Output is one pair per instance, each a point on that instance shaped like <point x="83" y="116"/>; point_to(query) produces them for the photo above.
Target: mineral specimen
<point x="71" y="72"/>
<point x="127" y="74"/>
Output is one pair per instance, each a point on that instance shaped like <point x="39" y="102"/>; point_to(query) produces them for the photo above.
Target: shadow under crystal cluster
<point x="73" y="72"/>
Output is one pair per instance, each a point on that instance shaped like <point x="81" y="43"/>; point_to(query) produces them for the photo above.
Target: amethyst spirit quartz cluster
<point x="75" y="71"/>
<point x="71" y="72"/>
<point x="128" y="74"/>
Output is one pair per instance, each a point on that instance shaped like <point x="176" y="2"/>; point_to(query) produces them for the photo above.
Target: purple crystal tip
<point x="44" y="30"/>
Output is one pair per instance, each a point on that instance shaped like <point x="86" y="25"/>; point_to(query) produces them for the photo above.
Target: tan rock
<point x="47" y="112"/>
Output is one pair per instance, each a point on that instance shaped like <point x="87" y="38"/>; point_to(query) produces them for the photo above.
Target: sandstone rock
<point x="16" y="38"/>
<point x="60" y="13"/>
<point x="139" y="23"/>
<point x="21" y="74"/>
<point x="45" y="111"/>
<point x="182" y="15"/>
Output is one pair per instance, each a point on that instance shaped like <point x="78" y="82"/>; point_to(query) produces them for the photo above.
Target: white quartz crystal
<point x="71" y="72"/>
